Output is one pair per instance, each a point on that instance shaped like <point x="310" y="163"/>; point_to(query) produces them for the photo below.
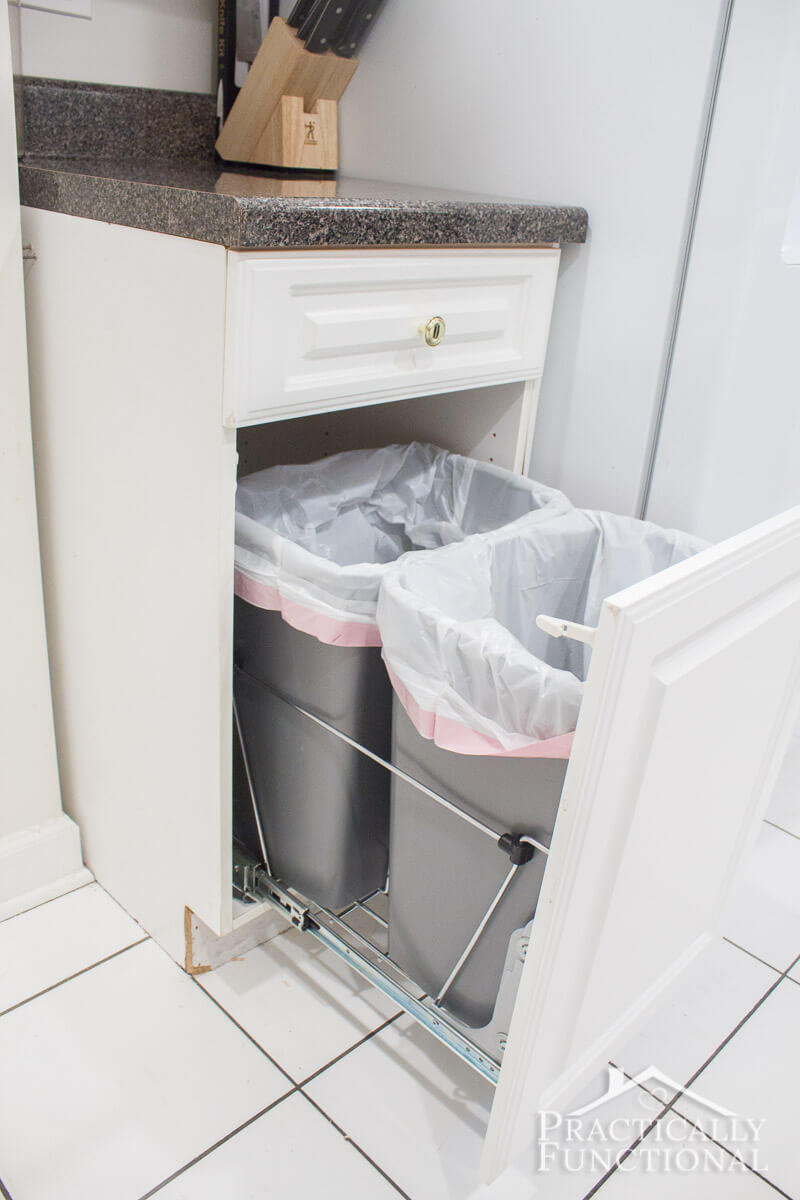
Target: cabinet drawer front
<point x="314" y="331"/>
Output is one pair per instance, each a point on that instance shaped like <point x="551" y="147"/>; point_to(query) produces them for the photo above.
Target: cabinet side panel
<point x="29" y="793"/>
<point x="136" y="478"/>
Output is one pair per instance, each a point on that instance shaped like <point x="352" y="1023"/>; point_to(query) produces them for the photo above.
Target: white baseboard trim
<point x="40" y="863"/>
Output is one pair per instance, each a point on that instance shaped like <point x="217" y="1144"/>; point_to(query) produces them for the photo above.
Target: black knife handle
<point x="314" y="13"/>
<point x="299" y="13"/>
<point x="363" y="20"/>
<point x="330" y="27"/>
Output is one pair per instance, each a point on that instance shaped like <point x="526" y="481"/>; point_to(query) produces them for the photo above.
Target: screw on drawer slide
<point x="294" y="909"/>
<point x="255" y="885"/>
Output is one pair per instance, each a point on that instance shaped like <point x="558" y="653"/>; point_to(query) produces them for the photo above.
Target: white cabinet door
<point x="691" y="694"/>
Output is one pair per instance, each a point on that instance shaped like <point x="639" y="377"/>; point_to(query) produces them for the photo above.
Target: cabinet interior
<point x="488" y="423"/>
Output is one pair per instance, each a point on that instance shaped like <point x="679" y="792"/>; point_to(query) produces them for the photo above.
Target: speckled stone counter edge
<point x="286" y="222"/>
<point x="66" y="119"/>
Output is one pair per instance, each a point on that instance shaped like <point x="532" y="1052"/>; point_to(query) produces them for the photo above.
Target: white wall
<point x="593" y="104"/>
<point x="16" y="38"/>
<point x="729" y="453"/>
<point x="142" y="43"/>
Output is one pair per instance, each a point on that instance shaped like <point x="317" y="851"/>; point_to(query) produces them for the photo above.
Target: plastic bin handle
<point x="557" y="628"/>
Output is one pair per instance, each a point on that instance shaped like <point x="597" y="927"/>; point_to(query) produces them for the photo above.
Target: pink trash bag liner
<point x="314" y="541"/>
<point x="467" y="660"/>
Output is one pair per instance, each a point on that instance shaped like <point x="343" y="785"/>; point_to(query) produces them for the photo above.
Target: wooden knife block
<point x="286" y="113"/>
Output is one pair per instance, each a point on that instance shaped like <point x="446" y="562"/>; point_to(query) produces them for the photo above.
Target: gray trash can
<point x="445" y="873"/>
<point x="323" y="807"/>
<point x="312" y="545"/>
<point x="481" y="694"/>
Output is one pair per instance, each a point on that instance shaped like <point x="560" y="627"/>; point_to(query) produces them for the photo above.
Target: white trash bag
<point x="459" y="633"/>
<point x="314" y="541"/>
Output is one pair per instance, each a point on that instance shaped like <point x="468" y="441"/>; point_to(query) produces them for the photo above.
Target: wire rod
<point x="251" y="788"/>
<point x="470" y="946"/>
<point x="372" y="914"/>
<point x="448" y="804"/>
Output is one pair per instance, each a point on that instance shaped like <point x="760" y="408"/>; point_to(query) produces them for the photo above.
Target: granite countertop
<point x="144" y="158"/>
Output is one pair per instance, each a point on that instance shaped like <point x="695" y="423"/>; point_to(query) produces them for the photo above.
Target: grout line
<point x="354" y="1144"/>
<point x="733" y="1154"/>
<point x="296" y="1088"/>
<point x="750" y="954"/>
<point x="765" y="1180"/>
<point x="75" y="975"/>
<point x="242" y="1029"/>
<point x="627" y="1153"/>
<point x="670" y="1104"/>
<point x="52" y="900"/>
<point x="783" y="829"/>
<point x="791" y="967"/>
<point x="4" y="1192"/>
<point x="726" y="1040"/>
<point x="708" y="1136"/>
<point x="274" y="1061"/>
<point x="221" y="1142"/>
<point x="350" y="1049"/>
<point x="727" y="1149"/>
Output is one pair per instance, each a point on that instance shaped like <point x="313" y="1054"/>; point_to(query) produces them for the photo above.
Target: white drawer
<point x="311" y="331"/>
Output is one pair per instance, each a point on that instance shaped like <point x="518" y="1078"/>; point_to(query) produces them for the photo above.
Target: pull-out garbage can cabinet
<point x="312" y="545"/>
<point x="485" y="709"/>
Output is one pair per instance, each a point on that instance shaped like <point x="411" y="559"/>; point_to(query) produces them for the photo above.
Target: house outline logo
<point x="589" y="1139"/>
<point x="619" y="1083"/>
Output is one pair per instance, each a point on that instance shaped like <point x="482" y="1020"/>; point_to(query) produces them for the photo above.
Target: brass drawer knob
<point x="434" y="331"/>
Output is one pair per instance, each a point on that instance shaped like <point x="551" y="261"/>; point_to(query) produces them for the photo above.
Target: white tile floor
<point x="284" y="1074"/>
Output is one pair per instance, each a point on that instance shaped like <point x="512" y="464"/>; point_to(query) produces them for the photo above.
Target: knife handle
<point x="360" y="25"/>
<point x="330" y="27"/>
<point x="314" y="13"/>
<point x="299" y="13"/>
